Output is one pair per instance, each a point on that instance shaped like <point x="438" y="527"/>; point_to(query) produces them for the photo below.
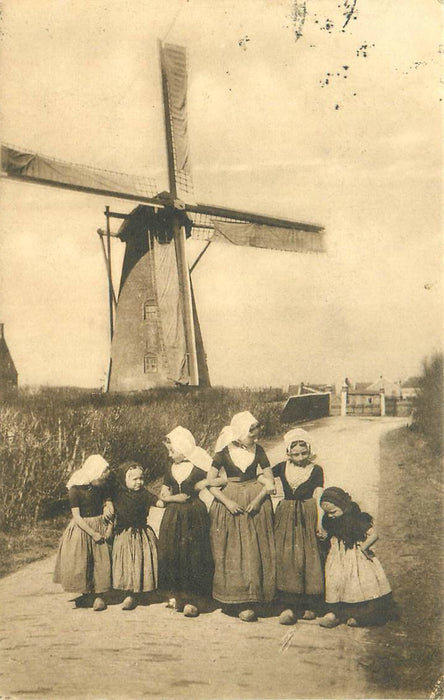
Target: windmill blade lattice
<point x="254" y="230"/>
<point x="173" y="61"/>
<point x="33" y="167"/>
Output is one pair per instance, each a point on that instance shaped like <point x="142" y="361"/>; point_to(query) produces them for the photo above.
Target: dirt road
<point x="51" y="650"/>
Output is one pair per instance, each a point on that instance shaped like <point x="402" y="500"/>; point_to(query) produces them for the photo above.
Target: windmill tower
<point x="8" y="372"/>
<point x="154" y="327"/>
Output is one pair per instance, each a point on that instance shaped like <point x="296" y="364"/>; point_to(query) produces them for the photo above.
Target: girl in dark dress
<point x="356" y="588"/>
<point x="135" y="544"/>
<point x="242" y="520"/>
<point x="185" y="561"/>
<point x="299" y="571"/>
<point x="83" y="562"/>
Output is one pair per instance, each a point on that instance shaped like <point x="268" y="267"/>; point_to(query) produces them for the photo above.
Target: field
<point x="45" y="436"/>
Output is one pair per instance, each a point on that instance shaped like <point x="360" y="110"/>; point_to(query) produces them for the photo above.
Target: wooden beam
<point x="110" y="280"/>
<point x="201" y="254"/>
<point x="149" y="201"/>
<point x="101" y="234"/>
<point x="211" y="210"/>
<point x="186" y="301"/>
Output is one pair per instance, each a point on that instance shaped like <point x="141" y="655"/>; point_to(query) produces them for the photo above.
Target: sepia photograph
<point x="221" y="360"/>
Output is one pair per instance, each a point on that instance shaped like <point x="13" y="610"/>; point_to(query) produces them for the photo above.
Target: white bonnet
<point x="92" y="469"/>
<point x="237" y="430"/>
<point x="182" y="441"/>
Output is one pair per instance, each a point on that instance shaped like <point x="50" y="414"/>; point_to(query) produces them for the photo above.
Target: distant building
<point x="390" y="388"/>
<point x="410" y="388"/>
<point x="8" y="372"/>
<point x="379" y="398"/>
<point x="364" y="402"/>
<point x="361" y="386"/>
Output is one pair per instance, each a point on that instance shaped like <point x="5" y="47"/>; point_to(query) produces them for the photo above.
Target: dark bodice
<point x="350" y="528"/>
<point x="187" y="485"/>
<point x="223" y="459"/>
<point x="131" y="507"/>
<point x="305" y="490"/>
<point x="89" y="499"/>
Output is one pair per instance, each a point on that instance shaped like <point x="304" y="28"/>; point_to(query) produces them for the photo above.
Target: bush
<point x="428" y="404"/>
<point x="45" y="436"/>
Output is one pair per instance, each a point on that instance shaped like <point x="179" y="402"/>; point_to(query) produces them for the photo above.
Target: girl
<point x="299" y="572"/>
<point x="83" y="561"/>
<point x="356" y="588"/>
<point x="242" y="520"/>
<point x="185" y="561"/>
<point x="135" y="544"/>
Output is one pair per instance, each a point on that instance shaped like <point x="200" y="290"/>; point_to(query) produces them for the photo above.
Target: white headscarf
<point x="183" y="441"/>
<point x="297" y="434"/>
<point x="93" y="468"/>
<point x="237" y="430"/>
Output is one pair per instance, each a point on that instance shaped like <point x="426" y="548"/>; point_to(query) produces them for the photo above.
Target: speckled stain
<point x="298" y="16"/>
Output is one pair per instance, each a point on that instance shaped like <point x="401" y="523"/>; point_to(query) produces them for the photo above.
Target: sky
<point x="309" y="120"/>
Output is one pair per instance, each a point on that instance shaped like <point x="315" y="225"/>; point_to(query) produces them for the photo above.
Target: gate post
<point x="344" y="400"/>
<point x="382" y="393"/>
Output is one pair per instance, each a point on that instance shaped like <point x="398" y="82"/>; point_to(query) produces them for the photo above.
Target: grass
<point x="404" y="658"/>
<point x="45" y="436"/>
<point x="25" y="545"/>
<point x="428" y="404"/>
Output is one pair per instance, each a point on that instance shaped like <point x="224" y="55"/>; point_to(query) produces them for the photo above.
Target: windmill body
<point x="8" y="372"/>
<point x="149" y="345"/>
<point x="154" y="327"/>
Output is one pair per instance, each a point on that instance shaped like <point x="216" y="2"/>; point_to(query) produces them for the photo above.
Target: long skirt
<point x="299" y="570"/>
<point x="243" y="548"/>
<point x="135" y="560"/>
<point x="185" y="561"/>
<point x="350" y="577"/>
<point x="82" y="565"/>
<point x="356" y="586"/>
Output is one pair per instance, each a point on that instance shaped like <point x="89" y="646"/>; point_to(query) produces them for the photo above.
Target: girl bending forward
<point x="356" y="588"/>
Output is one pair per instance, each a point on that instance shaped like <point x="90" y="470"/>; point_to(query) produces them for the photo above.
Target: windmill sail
<point x="173" y="61"/>
<point x="262" y="236"/>
<point x="256" y="230"/>
<point x="33" y="167"/>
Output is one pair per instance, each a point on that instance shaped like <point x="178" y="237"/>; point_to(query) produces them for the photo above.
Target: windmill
<point x="154" y="326"/>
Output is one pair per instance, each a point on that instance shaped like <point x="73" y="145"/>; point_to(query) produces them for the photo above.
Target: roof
<point x="381" y="383"/>
<point x="363" y="392"/>
<point x="412" y="382"/>
<point x="361" y="386"/>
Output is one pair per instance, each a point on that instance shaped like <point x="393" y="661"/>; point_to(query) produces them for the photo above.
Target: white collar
<point x="297" y="475"/>
<point x="241" y="457"/>
<point x="181" y="470"/>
